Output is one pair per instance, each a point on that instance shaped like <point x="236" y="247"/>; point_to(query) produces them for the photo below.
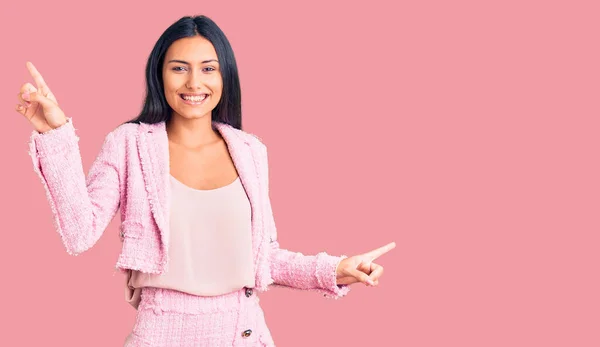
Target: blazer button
<point x="248" y="292"/>
<point x="247" y="333"/>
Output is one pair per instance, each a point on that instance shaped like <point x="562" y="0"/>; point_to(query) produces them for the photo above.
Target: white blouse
<point x="210" y="250"/>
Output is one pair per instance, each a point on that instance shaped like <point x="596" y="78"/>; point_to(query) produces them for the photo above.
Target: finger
<point x="28" y="112"/>
<point x="365" y="265"/>
<point x="376" y="253"/>
<point x="37" y="77"/>
<point x="376" y="272"/>
<point x="39" y="98"/>
<point x="23" y="101"/>
<point x="26" y="88"/>
<point x="21" y="109"/>
<point x="360" y="276"/>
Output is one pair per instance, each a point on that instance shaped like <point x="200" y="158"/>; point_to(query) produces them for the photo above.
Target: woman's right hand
<point x="39" y="105"/>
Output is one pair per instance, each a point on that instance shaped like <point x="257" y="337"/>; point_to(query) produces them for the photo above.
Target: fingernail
<point x="370" y="281"/>
<point x="26" y="96"/>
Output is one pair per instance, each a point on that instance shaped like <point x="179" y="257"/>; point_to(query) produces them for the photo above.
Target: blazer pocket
<point x="131" y="229"/>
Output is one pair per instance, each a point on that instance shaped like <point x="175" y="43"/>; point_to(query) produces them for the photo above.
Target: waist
<point x="169" y="300"/>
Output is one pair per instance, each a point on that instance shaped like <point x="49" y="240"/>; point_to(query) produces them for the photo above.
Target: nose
<point x="194" y="80"/>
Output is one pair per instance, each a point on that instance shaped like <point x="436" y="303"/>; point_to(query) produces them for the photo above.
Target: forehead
<point x="193" y="49"/>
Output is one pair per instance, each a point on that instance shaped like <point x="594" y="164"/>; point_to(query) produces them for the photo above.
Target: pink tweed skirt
<point x="172" y="318"/>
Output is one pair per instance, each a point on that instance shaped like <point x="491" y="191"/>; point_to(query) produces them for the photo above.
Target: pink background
<point x="465" y="131"/>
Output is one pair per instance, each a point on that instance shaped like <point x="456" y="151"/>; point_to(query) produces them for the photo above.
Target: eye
<point x="177" y="67"/>
<point x="210" y="67"/>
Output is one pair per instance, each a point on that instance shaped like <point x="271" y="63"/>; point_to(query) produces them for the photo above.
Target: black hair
<point x="156" y="109"/>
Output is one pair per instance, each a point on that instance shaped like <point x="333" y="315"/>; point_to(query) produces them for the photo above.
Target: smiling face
<point x="192" y="79"/>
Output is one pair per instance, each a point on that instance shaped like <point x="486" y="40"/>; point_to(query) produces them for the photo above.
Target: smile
<point x="194" y="100"/>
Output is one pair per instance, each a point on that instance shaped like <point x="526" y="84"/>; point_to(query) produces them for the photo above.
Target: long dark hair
<point x="156" y="109"/>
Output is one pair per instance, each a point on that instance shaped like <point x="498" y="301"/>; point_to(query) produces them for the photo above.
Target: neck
<point x="191" y="133"/>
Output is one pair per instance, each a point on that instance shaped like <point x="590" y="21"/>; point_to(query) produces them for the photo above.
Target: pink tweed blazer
<point x="131" y="175"/>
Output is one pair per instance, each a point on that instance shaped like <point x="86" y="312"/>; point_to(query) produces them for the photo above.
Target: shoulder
<point x="259" y="151"/>
<point x="124" y="134"/>
<point x="254" y="140"/>
<point x="257" y="143"/>
<point x="248" y="137"/>
<point x="124" y="131"/>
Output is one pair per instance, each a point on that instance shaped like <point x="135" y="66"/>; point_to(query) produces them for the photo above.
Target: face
<point x="192" y="78"/>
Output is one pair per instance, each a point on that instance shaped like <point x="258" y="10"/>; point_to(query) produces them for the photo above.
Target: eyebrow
<point x="185" y="62"/>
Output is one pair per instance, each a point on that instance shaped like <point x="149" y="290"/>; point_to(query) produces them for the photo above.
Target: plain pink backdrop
<point x="465" y="131"/>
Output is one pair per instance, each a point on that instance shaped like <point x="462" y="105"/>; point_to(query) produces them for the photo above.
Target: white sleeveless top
<point x="210" y="246"/>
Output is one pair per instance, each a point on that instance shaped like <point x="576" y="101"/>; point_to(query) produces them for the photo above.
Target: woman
<point x="199" y="238"/>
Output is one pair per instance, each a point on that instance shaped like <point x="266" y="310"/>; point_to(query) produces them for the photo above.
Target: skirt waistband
<point x="168" y="300"/>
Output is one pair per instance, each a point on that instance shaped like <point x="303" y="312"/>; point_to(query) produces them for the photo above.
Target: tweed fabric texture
<point x="131" y="174"/>
<point x="170" y="318"/>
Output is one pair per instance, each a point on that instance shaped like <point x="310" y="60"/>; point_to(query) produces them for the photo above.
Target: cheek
<point x="171" y="96"/>
<point x="171" y="84"/>
<point x="216" y="84"/>
<point x="170" y="92"/>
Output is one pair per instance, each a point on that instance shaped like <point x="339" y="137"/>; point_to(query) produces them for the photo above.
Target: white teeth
<point x="194" y="98"/>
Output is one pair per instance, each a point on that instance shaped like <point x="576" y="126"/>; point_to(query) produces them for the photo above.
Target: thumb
<point x="46" y="103"/>
<point x="52" y="114"/>
<point x="360" y="276"/>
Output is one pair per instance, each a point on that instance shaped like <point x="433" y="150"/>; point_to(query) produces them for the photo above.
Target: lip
<point x="191" y="103"/>
<point x="193" y="94"/>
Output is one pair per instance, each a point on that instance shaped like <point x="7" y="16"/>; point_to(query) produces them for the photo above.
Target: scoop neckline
<point x="204" y="190"/>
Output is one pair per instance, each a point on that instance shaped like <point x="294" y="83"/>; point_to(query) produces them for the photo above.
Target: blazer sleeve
<point x="294" y="269"/>
<point x="82" y="207"/>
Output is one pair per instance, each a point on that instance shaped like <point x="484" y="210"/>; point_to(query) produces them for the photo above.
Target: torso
<point x="207" y="168"/>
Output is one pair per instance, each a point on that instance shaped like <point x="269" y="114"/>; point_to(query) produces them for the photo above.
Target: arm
<point x="82" y="207"/>
<point x="294" y="269"/>
<point x="309" y="272"/>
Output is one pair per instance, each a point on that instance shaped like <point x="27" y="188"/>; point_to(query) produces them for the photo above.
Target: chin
<point x="192" y="115"/>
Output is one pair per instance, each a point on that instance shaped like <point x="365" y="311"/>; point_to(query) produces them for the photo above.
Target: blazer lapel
<point x="246" y="166"/>
<point x="153" y="146"/>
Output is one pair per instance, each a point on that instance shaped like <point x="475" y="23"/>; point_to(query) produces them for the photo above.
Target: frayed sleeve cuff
<point x="326" y="276"/>
<point x="53" y="141"/>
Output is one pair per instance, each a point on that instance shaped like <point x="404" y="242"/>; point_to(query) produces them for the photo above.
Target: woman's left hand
<point x="361" y="268"/>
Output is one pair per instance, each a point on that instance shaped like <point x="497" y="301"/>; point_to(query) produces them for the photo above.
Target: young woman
<point x="198" y="235"/>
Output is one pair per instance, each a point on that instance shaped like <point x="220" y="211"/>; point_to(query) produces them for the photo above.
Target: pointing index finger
<point x="376" y="253"/>
<point x="39" y="80"/>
